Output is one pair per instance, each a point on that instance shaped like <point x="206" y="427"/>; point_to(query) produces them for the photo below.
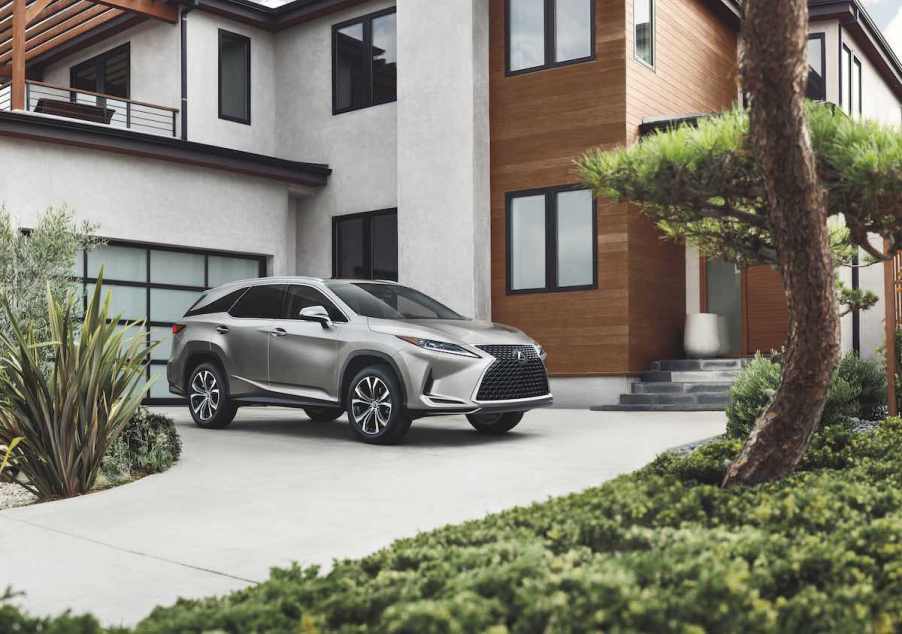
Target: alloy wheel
<point x="205" y="395"/>
<point x="371" y="405"/>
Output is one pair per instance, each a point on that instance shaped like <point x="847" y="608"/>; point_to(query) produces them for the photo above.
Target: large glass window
<point x="108" y="73"/>
<point x="365" y="246"/>
<point x="551" y="240"/>
<point x="157" y="285"/>
<point x="846" y="74"/>
<point x="817" y="79"/>
<point x="856" y="95"/>
<point x="644" y="24"/>
<point x="234" y="77"/>
<point x="548" y="33"/>
<point x="364" y="62"/>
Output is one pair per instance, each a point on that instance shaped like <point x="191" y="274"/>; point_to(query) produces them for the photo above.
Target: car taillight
<point x="177" y="328"/>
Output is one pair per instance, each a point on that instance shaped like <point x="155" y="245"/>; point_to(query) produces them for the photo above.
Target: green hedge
<point x="148" y="444"/>
<point x="659" y="550"/>
<point x="858" y="390"/>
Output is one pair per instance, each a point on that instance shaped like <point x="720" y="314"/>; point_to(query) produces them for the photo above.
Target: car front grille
<point x="517" y="373"/>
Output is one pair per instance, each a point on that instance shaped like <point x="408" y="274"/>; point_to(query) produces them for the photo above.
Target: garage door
<point x="156" y="284"/>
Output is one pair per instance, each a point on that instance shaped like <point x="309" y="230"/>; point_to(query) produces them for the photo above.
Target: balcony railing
<point x="95" y="107"/>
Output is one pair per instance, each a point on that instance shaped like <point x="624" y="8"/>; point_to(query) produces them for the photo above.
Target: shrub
<point x="858" y="389"/>
<point x="149" y="443"/>
<point x="68" y="412"/>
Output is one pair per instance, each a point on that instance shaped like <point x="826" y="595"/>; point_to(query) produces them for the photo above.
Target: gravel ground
<point x="12" y="495"/>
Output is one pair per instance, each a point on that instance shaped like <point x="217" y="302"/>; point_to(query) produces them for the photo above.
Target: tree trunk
<point x="775" y="69"/>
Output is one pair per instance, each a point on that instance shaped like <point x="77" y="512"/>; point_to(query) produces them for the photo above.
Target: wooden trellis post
<point x="892" y="301"/>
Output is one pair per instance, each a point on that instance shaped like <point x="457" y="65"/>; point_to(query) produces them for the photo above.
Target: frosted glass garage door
<point x="156" y="285"/>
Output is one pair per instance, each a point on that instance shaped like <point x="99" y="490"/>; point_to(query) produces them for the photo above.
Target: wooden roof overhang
<point x="31" y="28"/>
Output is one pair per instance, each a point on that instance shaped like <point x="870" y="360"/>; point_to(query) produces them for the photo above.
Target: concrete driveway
<point x="275" y="488"/>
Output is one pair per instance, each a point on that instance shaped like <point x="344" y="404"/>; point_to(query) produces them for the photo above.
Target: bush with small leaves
<point x="149" y="443"/>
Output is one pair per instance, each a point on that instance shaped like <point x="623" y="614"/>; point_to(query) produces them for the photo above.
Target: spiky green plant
<point x="8" y="453"/>
<point x="70" y="409"/>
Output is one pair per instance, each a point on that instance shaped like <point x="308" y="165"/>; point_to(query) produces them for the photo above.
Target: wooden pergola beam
<point x="17" y="89"/>
<point x="65" y="36"/>
<point x="151" y="8"/>
<point x="35" y="8"/>
<point x="64" y="31"/>
<point x="66" y="11"/>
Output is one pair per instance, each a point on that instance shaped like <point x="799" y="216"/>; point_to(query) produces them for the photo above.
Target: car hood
<point x="472" y="332"/>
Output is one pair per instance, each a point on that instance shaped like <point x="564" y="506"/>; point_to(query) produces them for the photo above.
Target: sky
<point x="888" y="16"/>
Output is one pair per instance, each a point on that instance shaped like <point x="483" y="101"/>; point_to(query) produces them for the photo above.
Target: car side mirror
<point x="317" y="314"/>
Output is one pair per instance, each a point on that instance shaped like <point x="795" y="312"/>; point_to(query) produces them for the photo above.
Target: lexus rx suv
<point x="383" y="353"/>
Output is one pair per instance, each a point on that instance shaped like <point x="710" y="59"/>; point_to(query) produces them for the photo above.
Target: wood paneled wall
<point x="542" y="121"/>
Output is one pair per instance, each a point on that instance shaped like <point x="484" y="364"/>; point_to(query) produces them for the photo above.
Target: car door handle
<point x="222" y="329"/>
<point x="278" y="332"/>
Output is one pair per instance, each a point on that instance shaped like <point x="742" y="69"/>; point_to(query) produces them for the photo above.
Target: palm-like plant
<point x="70" y="409"/>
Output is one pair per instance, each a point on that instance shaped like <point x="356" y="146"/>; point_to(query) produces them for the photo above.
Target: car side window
<point x="260" y="302"/>
<point x="221" y="305"/>
<point x="299" y="297"/>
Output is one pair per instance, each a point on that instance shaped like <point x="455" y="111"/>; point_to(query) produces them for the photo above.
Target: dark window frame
<point x="551" y="241"/>
<point x="83" y="280"/>
<point x="856" y="61"/>
<point x="367" y="22"/>
<point x="226" y="117"/>
<point x="99" y="61"/>
<point x="550" y="40"/>
<point x="823" y="38"/>
<point x="653" y="14"/>
<point x="367" y="239"/>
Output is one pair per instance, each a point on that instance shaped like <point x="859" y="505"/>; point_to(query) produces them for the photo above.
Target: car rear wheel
<point x="323" y="414"/>
<point x="495" y="424"/>
<point x="375" y="408"/>
<point x="208" y="399"/>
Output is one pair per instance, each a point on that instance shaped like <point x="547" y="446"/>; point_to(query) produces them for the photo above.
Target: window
<point x="644" y="24"/>
<point x="551" y="240"/>
<point x="260" y="302"/>
<point x="234" y="77"/>
<point x="390" y="301"/>
<point x="108" y="73"/>
<point x="548" y="33"/>
<point x="156" y="285"/>
<point x="856" y="88"/>
<point x="222" y="305"/>
<point x="364" y="62"/>
<point x="365" y="246"/>
<point x="299" y="297"/>
<point x="817" y="67"/>
<point x="846" y="80"/>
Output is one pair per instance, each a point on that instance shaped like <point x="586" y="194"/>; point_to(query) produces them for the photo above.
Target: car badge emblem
<point x="520" y="357"/>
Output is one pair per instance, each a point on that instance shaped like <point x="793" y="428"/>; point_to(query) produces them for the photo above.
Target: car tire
<point x="375" y="406"/>
<point x="323" y="414"/>
<point x="208" y="398"/>
<point x="495" y="424"/>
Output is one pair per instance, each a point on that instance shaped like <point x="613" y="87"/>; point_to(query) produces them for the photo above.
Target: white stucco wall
<point x="155" y="60"/>
<point x="443" y="152"/>
<point x="360" y="146"/>
<point x="204" y="124"/>
<point x="878" y="101"/>
<point x="132" y="198"/>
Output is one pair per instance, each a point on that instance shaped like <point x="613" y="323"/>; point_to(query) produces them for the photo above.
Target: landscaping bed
<point x="663" y="549"/>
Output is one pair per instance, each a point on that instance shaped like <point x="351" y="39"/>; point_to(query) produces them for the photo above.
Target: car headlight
<point x="439" y="346"/>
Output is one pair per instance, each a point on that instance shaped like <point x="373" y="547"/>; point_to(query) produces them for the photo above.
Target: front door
<point x="752" y="302"/>
<point x="303" y="355"/>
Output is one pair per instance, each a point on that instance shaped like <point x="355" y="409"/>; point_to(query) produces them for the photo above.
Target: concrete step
<point x="699" y="364"/>
<point x="657" y="408"/>
<point x="689" y="376"/>
<point x="680" y="388"/>
<point x="714" y="399"/>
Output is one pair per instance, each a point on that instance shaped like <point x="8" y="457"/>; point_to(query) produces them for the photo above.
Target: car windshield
<point x="390" y="301"/>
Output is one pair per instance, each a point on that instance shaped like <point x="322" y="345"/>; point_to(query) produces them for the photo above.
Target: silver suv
<point x="384" y="353"/>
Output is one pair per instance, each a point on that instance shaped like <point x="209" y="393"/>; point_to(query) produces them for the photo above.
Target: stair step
<point x="657" y="408"/>
<point x="679" y="388"/>
<point x="699" y="364"/>
<point x="714" y="399"/>
<point x="689" y="376"/>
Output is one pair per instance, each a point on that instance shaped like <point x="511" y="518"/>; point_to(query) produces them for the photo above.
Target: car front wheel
<point x="375" y="407"/>
<point x="208" y="399"/>
<point x="495" y="424"/>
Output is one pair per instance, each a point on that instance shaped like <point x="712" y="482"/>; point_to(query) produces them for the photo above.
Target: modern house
<point x="429" y="141"/>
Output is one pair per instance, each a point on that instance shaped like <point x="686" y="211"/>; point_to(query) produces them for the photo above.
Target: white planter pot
<point x="702" y="336"/>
